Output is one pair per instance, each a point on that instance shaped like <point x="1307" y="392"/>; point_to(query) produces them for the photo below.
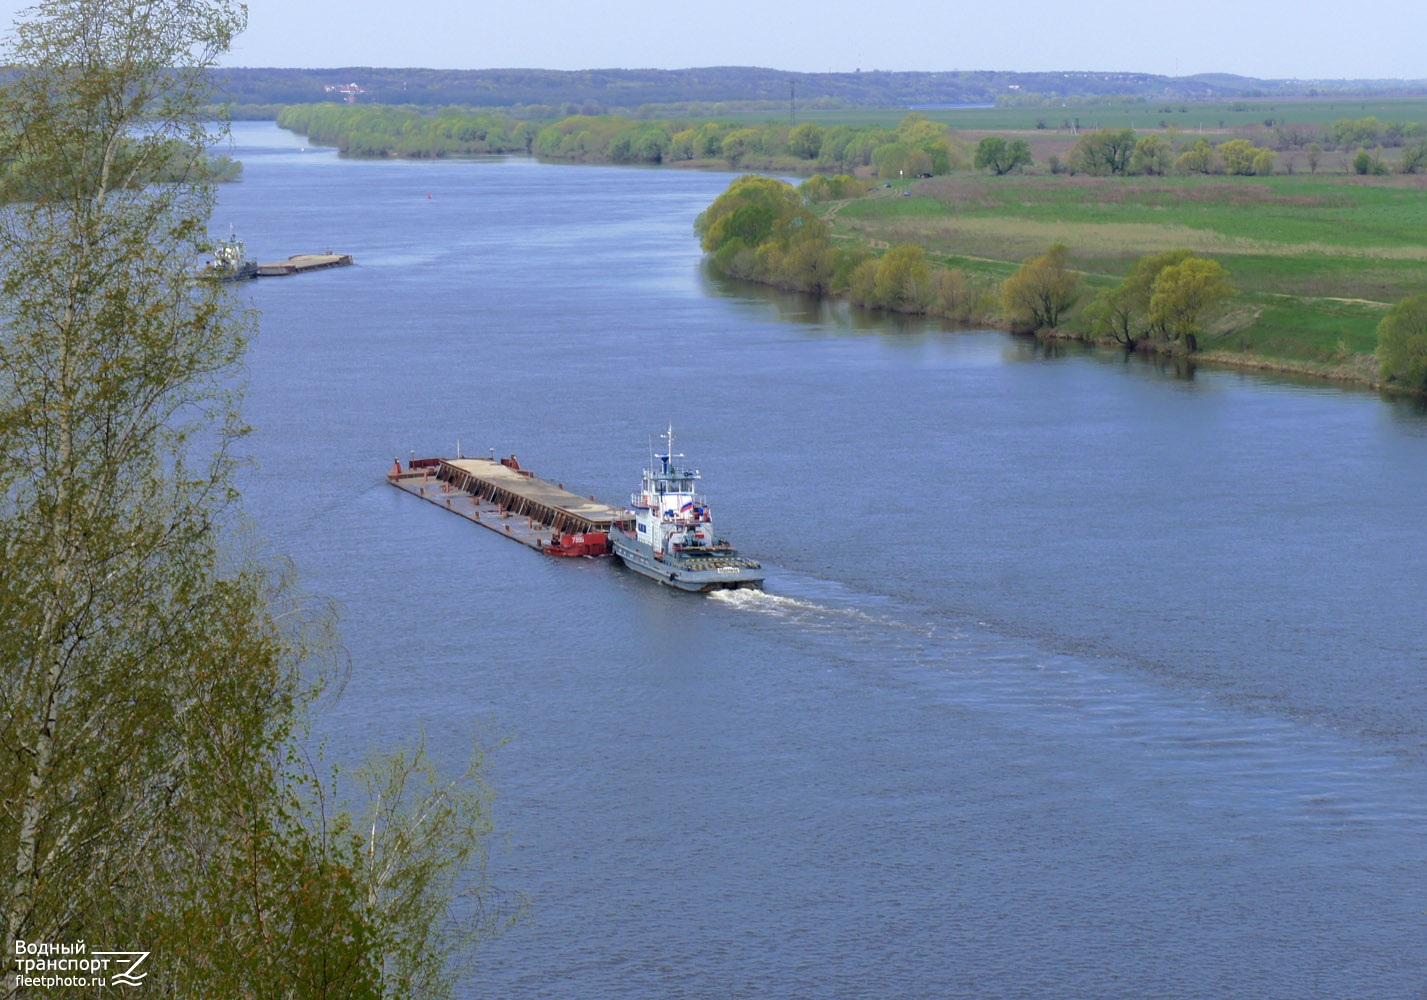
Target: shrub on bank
<point x="1402" y="343"/>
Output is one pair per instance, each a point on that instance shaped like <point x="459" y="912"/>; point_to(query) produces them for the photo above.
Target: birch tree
<point x="112" y="369"/>
<point x="153" y="678"/>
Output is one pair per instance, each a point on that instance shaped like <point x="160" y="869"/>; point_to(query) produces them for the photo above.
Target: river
<point x="1074" y="676"/>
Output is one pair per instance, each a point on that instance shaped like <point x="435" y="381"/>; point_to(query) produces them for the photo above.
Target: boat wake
<point x="1312" y="779"/>
<point x="751" y="599"/>
<point x="813" y="614"/>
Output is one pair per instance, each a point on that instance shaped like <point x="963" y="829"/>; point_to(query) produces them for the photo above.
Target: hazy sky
<point x="1306" y="39"/>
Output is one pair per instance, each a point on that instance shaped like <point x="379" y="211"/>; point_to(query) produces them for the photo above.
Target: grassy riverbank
<point x="1317" y="260"/>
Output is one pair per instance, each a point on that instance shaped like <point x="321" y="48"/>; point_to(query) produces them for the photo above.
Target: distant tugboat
<point x="672" y="538"/>
<point x="229" y="262"/>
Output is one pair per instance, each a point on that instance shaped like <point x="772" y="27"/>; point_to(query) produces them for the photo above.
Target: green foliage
<point x="931" y="147"/>
<point x="917" y="147"/>
<point x="1041" y="290"/>
<point x="1152" y="155"/>
<point x="155" y="678"/>
<point x="120" y="635"/>
<point x="1165" y="298"/>
<point x="1106" y="151"/>
<point x="1001" y="157"/>
<point x="1366" y="163"/>
<point x="845" y="148"/>
<point x="1346" y="133"/>
<point x="1136" y="291"/>
<point x="404" y="130"/>
<point x="1316" y="259"/>
<point x="1113" y="314"/>
<point x="899" y="280"/>
<point x="759" y="229"/>
<point x="805" y="141"/>
<point x="830" y="98"/>
<point x="960" y="297"/>
<point x="1241" y="157"/>
<point x="1183" y="294"/>
<point x="750" y="211"/>
<point x="739" y="144"/>
<point x="820" y="188"/>
<point x="1414" y="157"/>
<point x="1198" y="158"/>
<point x="898" y="160"/>
<point x="1402" y="343"/>
<point x="645" y="143"/>
<point x="420" y="862"/>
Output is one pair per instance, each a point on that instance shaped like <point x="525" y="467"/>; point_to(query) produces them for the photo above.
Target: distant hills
<point x="627" y="90"/>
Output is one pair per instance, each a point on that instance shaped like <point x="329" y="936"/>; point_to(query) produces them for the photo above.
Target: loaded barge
<point x="230" y="263"/>
<point x="500" y="495"/>
<point x="301" y="263"/>
<point x="666" y="534"/>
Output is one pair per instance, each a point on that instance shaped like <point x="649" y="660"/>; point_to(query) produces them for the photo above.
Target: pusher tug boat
<point x="672" y="539"/>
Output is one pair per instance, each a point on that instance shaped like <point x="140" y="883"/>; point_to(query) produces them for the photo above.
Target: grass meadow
<point x="1317" y="259"/>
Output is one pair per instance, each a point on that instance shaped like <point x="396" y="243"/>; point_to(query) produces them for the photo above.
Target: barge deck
<point x="300" y="263"/>
<point x="498" y="494"/>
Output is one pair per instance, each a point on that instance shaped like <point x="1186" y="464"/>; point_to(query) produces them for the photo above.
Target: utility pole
<point x="792" y="102"/>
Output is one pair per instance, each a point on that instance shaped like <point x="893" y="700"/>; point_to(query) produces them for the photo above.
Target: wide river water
<point x="1074" y="676"/>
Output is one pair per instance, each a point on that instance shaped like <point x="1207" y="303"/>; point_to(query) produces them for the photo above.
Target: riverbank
<point x="1315" y="261"/>
<point x="1359" y="371"/>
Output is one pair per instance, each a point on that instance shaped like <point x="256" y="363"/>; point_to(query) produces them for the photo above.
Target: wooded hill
<point x="626" y="90"/>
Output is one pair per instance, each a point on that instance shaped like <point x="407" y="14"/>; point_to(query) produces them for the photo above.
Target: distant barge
<point x="301" y="263"/>
<point x="500" y="495"/>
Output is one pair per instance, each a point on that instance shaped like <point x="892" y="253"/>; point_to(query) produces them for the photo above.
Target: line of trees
<point x="763" y="229"/>
<point x="917" y="147"/>
<point x="394" y="130"/>
<point x="1112" y="152"/>
<point x="1163" y="301"/>
<point x="1123" y="152"/>
<point x="154" y="675"/>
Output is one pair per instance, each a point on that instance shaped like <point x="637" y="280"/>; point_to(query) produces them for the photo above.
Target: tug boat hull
<point x="729" y="576"/>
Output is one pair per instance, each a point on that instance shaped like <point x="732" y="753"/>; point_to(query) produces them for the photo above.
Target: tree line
<point x="763" y="229"/>
<point x="917" y="146"/>
<point x="1124" y="152"/>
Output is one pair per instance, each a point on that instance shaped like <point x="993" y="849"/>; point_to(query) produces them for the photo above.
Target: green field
<point x="1317" y="260"/>
<point x="1217" y="116"/>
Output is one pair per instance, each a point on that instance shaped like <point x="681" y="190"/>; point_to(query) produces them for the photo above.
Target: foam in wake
<point x="760" y="600"/>
<point x="807" y="613"/>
